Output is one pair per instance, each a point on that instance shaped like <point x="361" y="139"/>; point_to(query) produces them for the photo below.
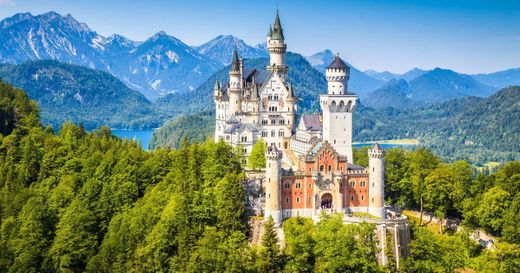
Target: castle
<point x="309" y="167"/>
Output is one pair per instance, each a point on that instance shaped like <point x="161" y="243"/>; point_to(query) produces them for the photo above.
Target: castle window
<point x="362" y="183"/>
<point x="244" y="139"/>
<point x="321" y="168"/>
<point x="286" y="199"/>
<point x="352" y="183"/>
<point x="362" y="197"/>
<point x="330" y="168"/>
<point x="264" y="133"/>
<point x="275" y="97"/>
<point x="352" y="198"/>
<point x="273" y="122"/>
<point x="298" y="185"/>
<point x="287" y="185"/>
<point x="310" y="186"/>
<point x="334" y="141"/>
<point x="372" y="199"/>
<point x="270" y="97"/>
<point x="273" y="133"/>
<point x="297" y="199"/>
<point x="281" y="133"/>
<point x="264" y="122"/>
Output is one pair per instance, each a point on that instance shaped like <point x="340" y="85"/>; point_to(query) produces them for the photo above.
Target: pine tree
<point x="269" y="259"/>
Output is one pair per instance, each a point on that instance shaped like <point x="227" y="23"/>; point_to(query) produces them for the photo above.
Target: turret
<point x="376" y="189"/>
<point x="337" y="106"/>
<point x="216" y="89"/>
<point x="273" y="204"/>
<point x="277" y="48"/>
<point x="235" y="89"/>
<point x="338" y="74"/>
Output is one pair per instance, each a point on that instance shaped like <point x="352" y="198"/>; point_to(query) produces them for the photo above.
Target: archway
<point x="326" y="201"/>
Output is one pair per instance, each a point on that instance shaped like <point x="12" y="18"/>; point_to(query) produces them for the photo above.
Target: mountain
<point x="396" y="93"/>
<point x="162" y="65"/>
<point x="412" y="74"/>
<point x="307" y="84"/>
<point x="359" y="83"/>
<point x="69" y="92"/>
<point x="24" y="37"/>
<point x="383" y="76"/>
<point x="156" y="67"/>
<point x="221" y="48"/>
<point x="500" y="79"/>
<point x="440" y="85"/>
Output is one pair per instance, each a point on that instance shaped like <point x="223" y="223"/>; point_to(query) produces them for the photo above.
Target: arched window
<point x="264" y="133"/>
<point x="362" y="183"/>
<point x="352" y="198"/>
<point x="352" y="183"/>
<point x="330" y="168"/>
<point x="270" y="97"/>
<point x="286" y="199"/>
<point x="273" y="133"/>
<point x="321" y="168"/>
<point x="298" y="185"/>
<point x="287" y="185"/>
<point x="281" y="133"/>
<point x="297" y="199"/>
<point x="275" y="97"/>
<point x="362" y="197"/>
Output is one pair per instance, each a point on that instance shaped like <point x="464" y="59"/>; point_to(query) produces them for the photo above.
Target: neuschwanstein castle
<point x="310" y="166"/>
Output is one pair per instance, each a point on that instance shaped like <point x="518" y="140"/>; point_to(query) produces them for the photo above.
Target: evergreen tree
<point x="269" y="257"/>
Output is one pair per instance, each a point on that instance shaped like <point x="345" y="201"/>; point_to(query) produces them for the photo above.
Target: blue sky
<point x="467" y="36"/>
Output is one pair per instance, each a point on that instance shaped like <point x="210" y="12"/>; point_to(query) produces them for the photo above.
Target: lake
<point x="139" y="135"/>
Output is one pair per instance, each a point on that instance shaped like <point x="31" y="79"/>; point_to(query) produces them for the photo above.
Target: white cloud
<point x="7" y="3"/>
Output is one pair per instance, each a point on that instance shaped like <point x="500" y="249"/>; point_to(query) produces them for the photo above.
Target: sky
<point x="394" y="35"/>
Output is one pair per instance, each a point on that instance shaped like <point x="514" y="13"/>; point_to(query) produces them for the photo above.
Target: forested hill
<point x="470" y="128"/>
<point x="94" y="98"/>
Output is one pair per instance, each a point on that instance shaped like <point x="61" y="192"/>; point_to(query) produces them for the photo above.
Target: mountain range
<point x="431" y="87"/>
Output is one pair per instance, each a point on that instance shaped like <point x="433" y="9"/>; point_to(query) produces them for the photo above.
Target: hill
<point x="396" y="93"/>
<point x="439" y="85"/>
<point x="500" y="79"/>
<point x="94" y="98"/>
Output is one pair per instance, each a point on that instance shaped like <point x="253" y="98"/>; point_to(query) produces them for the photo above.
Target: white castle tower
<point x="337" y="106"/>
<point x="235" y="88"/>
<point x="273" y="201"/>
<point x="376" y="189"/>
<point x="277" y="49"/>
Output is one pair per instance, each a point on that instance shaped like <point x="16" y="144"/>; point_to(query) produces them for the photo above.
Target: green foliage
<point x="435" y="253"/>
<point x="256" y="160"/>
<point x="269" y="257"/>
<point x="300" y="239"/>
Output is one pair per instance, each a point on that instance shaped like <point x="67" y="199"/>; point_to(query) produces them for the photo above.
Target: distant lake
<point x="385" y="145"/>
<point x="138" y="135"/>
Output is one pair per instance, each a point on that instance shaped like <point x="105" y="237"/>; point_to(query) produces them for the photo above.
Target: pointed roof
<point x="277" y="29"/>
<point x="376" y="147"/>
<point x="217" y="86"/>
<point x="337" y="63"/>
<point x="235" y="66"/>
<point x="270" y="31"/>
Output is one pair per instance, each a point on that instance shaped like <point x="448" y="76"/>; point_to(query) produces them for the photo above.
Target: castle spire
<point x="235" y="65"/>
<point x="277" y="28"/>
